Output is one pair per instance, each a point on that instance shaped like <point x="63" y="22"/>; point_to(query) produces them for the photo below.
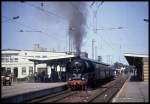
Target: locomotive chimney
<point x="78" y="53"/>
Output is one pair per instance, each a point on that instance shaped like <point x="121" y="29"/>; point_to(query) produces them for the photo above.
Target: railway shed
<point x="52" y="64"/>
<point x="141" y="63"/>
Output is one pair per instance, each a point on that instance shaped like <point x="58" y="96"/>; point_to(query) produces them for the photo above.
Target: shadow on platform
<point x="134" y="79"/>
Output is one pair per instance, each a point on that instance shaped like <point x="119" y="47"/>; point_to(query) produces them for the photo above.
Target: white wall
<point x="24" y="62"/>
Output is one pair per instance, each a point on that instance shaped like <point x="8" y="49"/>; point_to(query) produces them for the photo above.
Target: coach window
<point x="30" y="70"/>
<point x="23" y="70"/>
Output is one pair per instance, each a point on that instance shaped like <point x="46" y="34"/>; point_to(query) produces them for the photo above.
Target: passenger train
<point x="84" y="72"/>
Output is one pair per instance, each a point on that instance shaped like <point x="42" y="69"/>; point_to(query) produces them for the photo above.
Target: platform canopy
<point x="134" y="59"/>
<point x="137" y="61"/>
<point x="135" y="55"/>
<point x="54" y="59"/>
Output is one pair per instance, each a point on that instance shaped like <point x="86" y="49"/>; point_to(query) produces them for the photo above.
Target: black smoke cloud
<point x="77" y="24"/>
<point x="75" y="12"/>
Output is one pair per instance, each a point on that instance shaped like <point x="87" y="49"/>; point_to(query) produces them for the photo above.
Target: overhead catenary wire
<point x="33" y="30"/>
<point x="96" y="21"/>
<point x="107" y="43"/>
<point x="46" y="11"/>
<point x="88" y="37"/>
<point x="78" y="9"/>
<point x="13" y="18"/>
<point x="52" y="13"/>
<point x="79" y="13"/>
<point x="21" y="24"/>
<point x="95" y="16"/>
<point x="99" y="34"/>
<point x="102" y="29"/>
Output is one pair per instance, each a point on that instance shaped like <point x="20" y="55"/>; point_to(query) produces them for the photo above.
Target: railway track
<point x="103" y="93"/>
<point x="111" y="89"/>
<point x="52" y="97"/>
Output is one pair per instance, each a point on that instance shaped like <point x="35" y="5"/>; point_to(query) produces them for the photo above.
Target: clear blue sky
<point x="133" y="38"/>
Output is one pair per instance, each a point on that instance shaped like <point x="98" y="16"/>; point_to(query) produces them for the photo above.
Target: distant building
<point x="99" y="58"/>
<point x="37" y="47"/>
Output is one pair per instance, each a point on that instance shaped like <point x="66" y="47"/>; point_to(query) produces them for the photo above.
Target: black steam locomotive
<point x="85" y="73"/>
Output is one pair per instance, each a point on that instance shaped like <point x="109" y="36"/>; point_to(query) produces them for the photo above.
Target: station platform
<point x="21" y="92"/>
<point x="133" y="91"/>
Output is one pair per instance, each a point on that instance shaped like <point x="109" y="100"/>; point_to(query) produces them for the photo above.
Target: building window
<point x="30" y="70"/>
<point x="44" y="56"/>
<point x="8" y="71"/>
<point x="3" y="59"/>
<point x="37" y="56"/>
<point x="7" y="59"/>
<point x="11" y="59"/>
<point x="3" y="71"/>
<point x="16" y="59"/>
<point x="30" y="56"/>
<point x="23" y="70"/>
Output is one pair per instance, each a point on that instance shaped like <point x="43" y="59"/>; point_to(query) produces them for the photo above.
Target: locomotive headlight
<point x="69" y="79"/>
<point x="83" y="78"/>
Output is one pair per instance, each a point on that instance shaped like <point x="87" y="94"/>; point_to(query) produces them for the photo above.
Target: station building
<point x="17" y="61"/>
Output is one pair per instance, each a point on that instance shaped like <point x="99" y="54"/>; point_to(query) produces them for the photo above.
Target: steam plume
<point x="77" y="23"/>
<point x="75" y="14"/>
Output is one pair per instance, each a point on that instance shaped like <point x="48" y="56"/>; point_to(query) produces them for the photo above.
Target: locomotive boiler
<point x="84" y="72"/>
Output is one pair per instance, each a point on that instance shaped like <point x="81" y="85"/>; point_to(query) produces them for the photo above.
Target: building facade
<point x="16" y="61"/>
